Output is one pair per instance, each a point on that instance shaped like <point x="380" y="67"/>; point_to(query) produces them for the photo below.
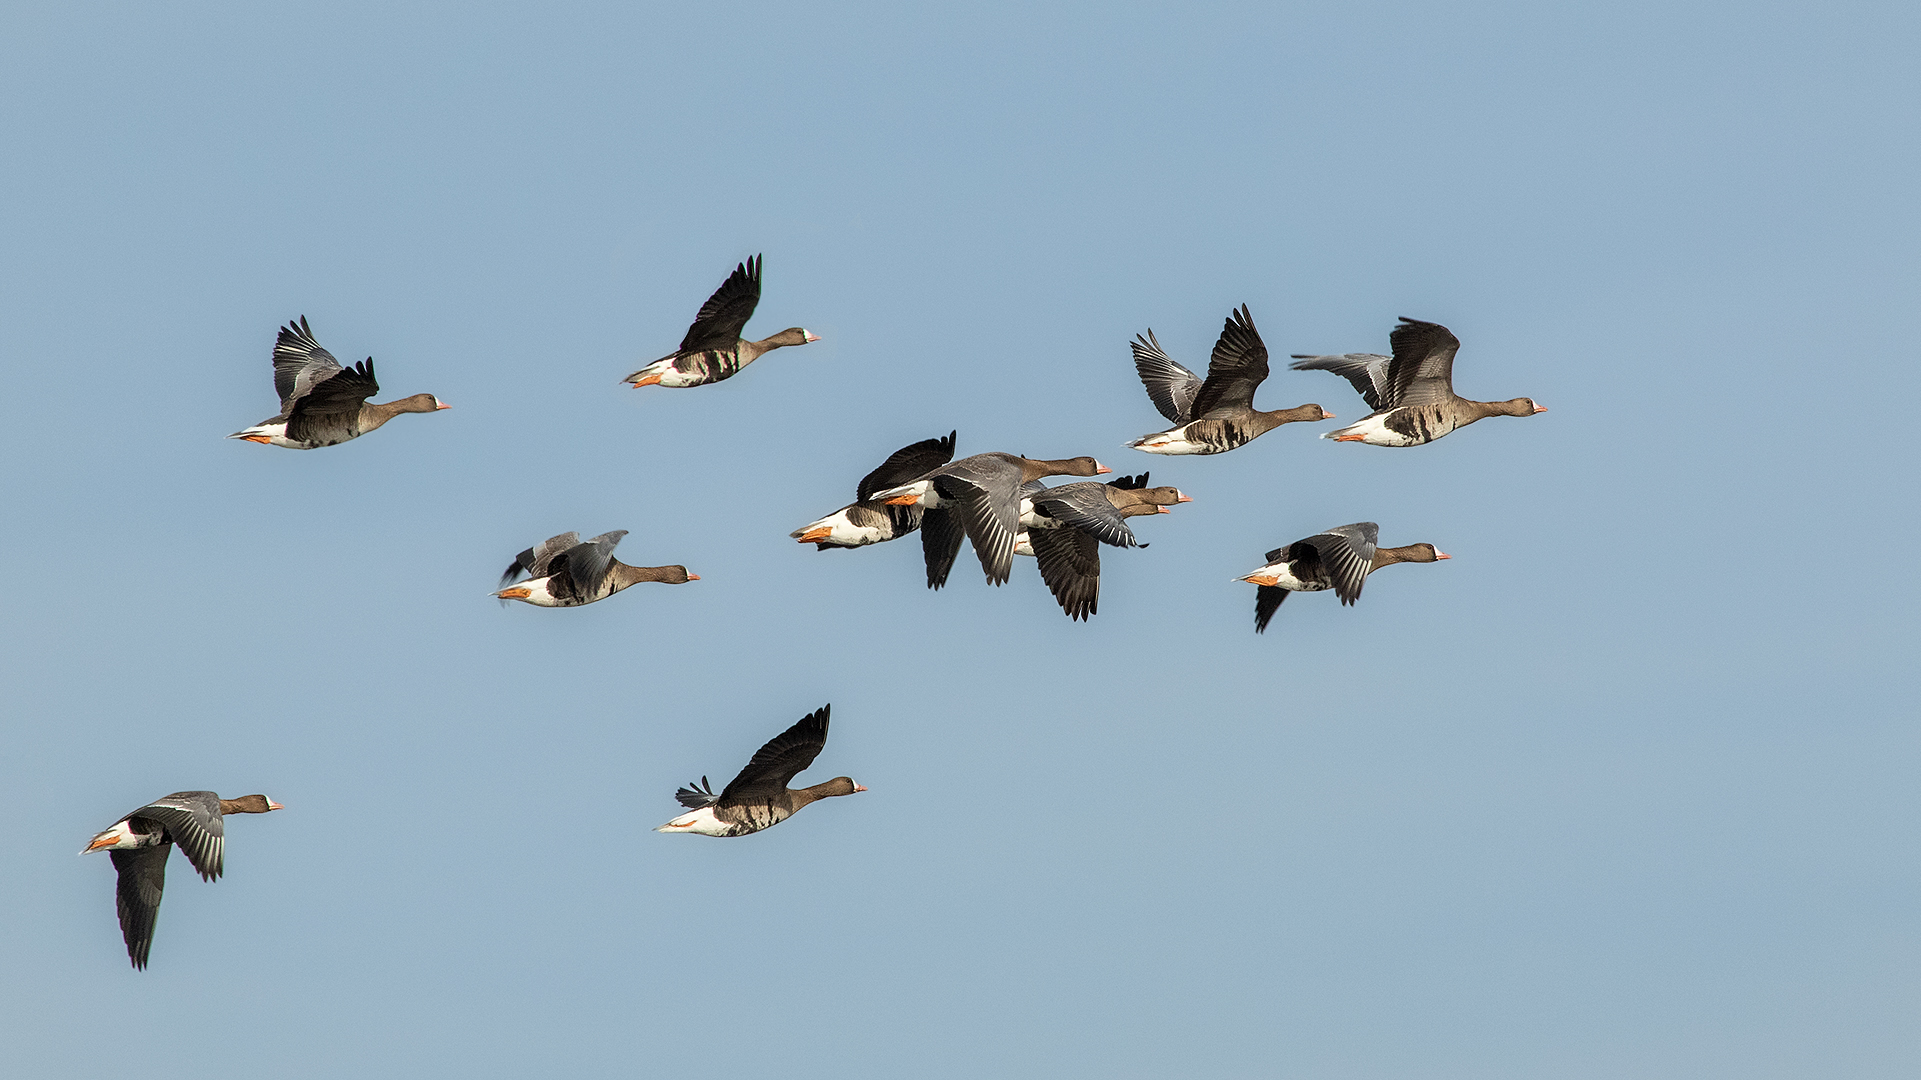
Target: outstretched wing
<point x="725" y="313"/>
<point x="774" y="764"/>
<point x="192" y="820"/>
<point x="906" y="465"/>
<point x="695" y="796"/>
<point x="1422" y="371"/>
<point x="1169" y="384"/>
<point x="1070" y="564"/>
<point x="143" y="876"/>
<point x="1267" y="601"/>
<point x="1085" y="507"/>
<point x="299" y="362"/>
<point x="940" y="542"/>
<point x="1347" y="556"/>
<point x="1367" y="371"/>
<point x="333" y="403"/>
<point x="586" y="563"/>
<point x="1128" y="483"/>
<point x="1238" y="366"/>
<point x="535" y="561"/>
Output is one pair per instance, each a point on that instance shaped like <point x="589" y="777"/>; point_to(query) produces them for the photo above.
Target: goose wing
<point x="906" y="465"/>
<point x="1347" y="556"/>
<point x="1422" y="371"/>
<point x="940" y="542"/>
<point x="1169" y="384"/>
<point x="192" y="820"/>
<point x="136" y="895"/>
<point x="1267" y="601"/>
<point x="725" y="314"/>
<point x="1367" y="371"/>
<point x="332" y="404"/>
<point x="1238" y="366"/>
<point x="1070" y="564"/>
<point x="586" y="564"/>
<point x="776" y="763"/>
<point x="986" y="489"/>
<point x="1085" y="508"/>
<point x="535" y="560"/>
<point x="299" y="362"/>
<point x="695" y="796"/>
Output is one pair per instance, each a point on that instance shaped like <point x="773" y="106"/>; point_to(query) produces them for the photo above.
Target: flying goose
<point x="759" y="797"/>
<point x="140" y="842"/>
<point x="866" y="521"/>
<point x="1338" y="559"/>
<point x="1216" y="415"/>
<point x="566" y="572"/>
<point x="1069" y="523"/>
<point x="322" y="403"/>
<point x="713" y="348"/>
<point x="1412" y="392"/>
<point x="979" y="497"/>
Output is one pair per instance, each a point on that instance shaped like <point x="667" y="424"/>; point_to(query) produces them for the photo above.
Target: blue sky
<point x="1625" y="788"/>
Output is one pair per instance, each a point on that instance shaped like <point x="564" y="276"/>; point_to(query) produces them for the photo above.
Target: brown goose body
<point x="321" y="402"/>
<point x="867" y="520"/>
<point x="759" y="797"/>
<point x="565" y="571"/>
<point x="1066" y="540"/>
<point x="1412" y="392"/>
<point x="1215" y="415"/>
<point x="1339" y="559"/>
<point x="140" y="842"/>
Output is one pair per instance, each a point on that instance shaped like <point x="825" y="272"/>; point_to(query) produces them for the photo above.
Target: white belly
<point x="700" y="821"/>
<point x="1280" y="575"/>
<point x="841" y="532"/>
<point x="1168" y="442"/>
<point x="1373" y="431"/>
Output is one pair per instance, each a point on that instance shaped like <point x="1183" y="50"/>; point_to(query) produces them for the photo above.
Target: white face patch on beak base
<point x="809" y="337"/>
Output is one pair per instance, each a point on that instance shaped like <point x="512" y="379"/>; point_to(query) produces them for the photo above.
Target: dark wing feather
<point x="1238" y="366"/>
<point x="992" y="521"/>
<point x="1422" y="371"/>
<point x="1169" y="384"/>
<point x="143" y="876"/>
<point x="1128" y="483"/>
<point x="906" y="465"/>
<point x="940" y="542"/>
<point x="1084" y="507"/>
<point x="698" y="795"/>
<point x="1267" y="601"/>
<point x="333" y="404"/>
<point x="774" y="764"/>
<point x="192" y="820"/>
<point x="725" y="313"/>
<point x="1367" y="371"/>
<point x="1070" y="564"/>
<point x="299" y="362"/>
<point x="535" y="561"/>
<point x="586" y="564"/>
<point x="1347" y="556"/>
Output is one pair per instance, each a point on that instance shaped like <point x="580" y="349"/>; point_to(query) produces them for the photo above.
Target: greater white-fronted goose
<point x="1338" y="559"/>
<point x="867" y="521"/>
<point x="1412" y="392"/>
<point x="140" y="842"/>
<point x="713" y="348"/>
<point x="759" y="797"/>
<point x="322" y="403"/>
<point x="1068" y="524"/>
<point x="977" y="497"/>
<point x="1217" y="415"/>
<point x="566" y="571"/>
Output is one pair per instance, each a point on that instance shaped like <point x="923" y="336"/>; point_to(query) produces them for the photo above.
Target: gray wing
<point x="774" y="764"/>
<point x="192" y="820"/>
<point x="1087" y="508"/>
<point x="940" y="540"/>
<point x="136" y="895"/>
<point x="299" y="362"/>
<point x="1347" y="555"/>
<point x="1070" y="564"/>
<point x="587" y="563"/>
<point x="1238" y="366"/>
<point x="986" y="488"/>
<point x="1422" y="371"/>
<point x="535" y="560"/>
<point x="695" y="796"/>
<point x="1171" y="386"/>
<point x="906" y="465"/>
<point x="1367" y="371"/>
<point x="333" y="404"/>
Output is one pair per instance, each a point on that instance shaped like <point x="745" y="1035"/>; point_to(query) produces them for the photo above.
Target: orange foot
<point x="815" y="536"/>
<point x="648" y="381"/>
<point x="1351" y="438"/>
<point x="262" y="439"/>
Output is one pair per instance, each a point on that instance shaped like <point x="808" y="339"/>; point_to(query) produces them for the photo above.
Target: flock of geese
<point x="997" y="502"/>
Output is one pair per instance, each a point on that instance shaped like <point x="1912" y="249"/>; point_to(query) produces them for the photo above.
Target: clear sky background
<point x="1627" y="788"/>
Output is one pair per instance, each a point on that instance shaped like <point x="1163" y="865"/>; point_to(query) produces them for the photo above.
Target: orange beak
<point x="1439" y="554"/>
<point x="518" y="592"/>
<point x="815" y="536"/>
<point x="1162" y="510"/>
<point x="442" y="405"/>
<point x="271" y="805"/>
<point x="1181" y="498"/>
<point x="1101" y="470"/>
<point x="1540" y="408"/>
<point x="693" y="577"/>
<point x="858" y="787"/>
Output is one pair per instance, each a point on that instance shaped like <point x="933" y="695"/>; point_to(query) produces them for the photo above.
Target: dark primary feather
<point x="1422" y="371"/>
<point x="1070" y="564"/>
<point x="535" y="561"/>
<point x="1084" y="507"/>
<point x="725" y="314"/>
<point x="992" y="522"/>
<point x="1267" y="601"/>
<point x="906" y="465"/>
<point x="776" y="763"/>
<point x="142" y="877"/>
<point x="1238" y="366"/>
<point x="192" y="819"/>
<point x="698" y="795"/>
<point x="1346" y="556"/>
<point x="1129" y="483"/>
<point x="299" y="362"/>
<point x="940" y="543"/>
<point x="333" y="405"/>
<point x="1170" y="385"/>
<point x="585" y="565"/>
<point x="1367" y="371"/>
